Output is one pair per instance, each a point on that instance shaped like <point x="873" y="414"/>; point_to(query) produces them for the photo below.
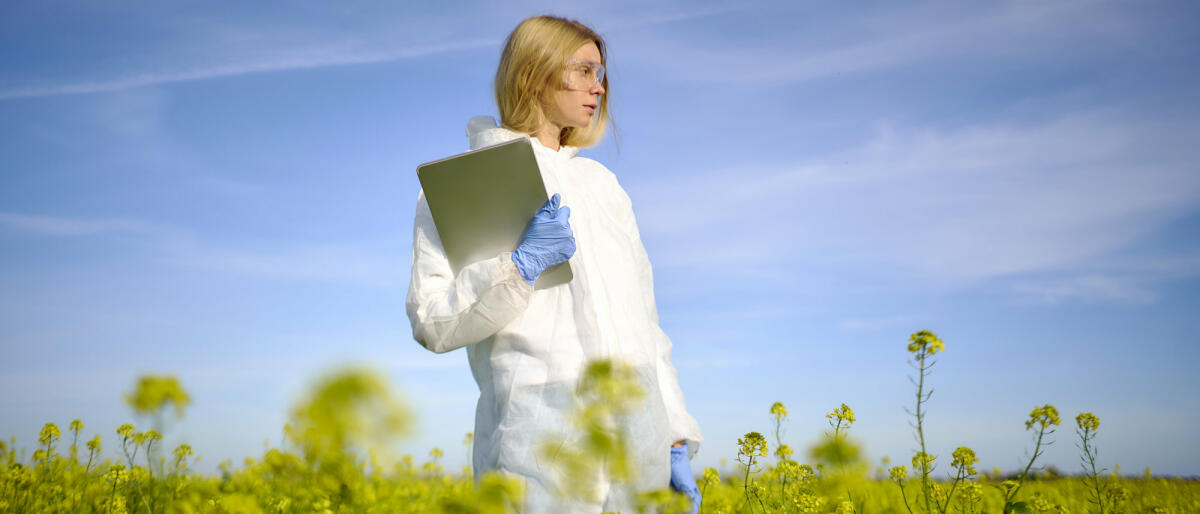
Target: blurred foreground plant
<point x="606" y="392"/>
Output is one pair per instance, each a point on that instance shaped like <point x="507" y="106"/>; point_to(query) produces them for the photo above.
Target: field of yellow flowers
<point x="334" y="461"/>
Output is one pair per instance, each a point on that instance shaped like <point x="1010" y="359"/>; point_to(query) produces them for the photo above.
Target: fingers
<point x="562" y="216"/>
<point x="554" y="201"/>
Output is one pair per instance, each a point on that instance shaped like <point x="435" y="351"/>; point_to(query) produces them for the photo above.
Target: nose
<point x="597" y="89"/>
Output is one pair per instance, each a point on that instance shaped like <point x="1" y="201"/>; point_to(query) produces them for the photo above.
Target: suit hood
<point x="484" y="131"/>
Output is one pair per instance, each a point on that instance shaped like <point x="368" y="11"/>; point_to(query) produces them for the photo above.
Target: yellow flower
<point x="925" y="342"/>
<point x="49" y="434"/>
<point x="117" y="474"/>
<point x="1088" y="422"/>
<point x="125" y="431"/>
<point x="844" y="414"/>
<point x="1045" y="416"/>
<point x="710" y="477"/>
<point x="898" y="473"/>
<point x="754" y="444"/>
<point x="1119" y="494"/>
<point x="1039" y="504"/>
<point x="152" y="393"/>
<point x="971" y="492"/>
<point x="937" y="492"/>
<point x="182" y="451"/>
<point x="347" y="407"/>
<point x="76" y="426"/>
<point x="94" y="444"/>
<point x="778" y="410"/>
<point x="922" y="462"/>
<point x="808" y="503"/>
<point x="805" y="472"/>
<point x="964" y="459"/>
<point x="836" y="451"/>
<point x="784" y="452"/>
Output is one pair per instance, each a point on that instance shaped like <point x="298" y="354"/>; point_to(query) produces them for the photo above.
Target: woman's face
<point x="575" y="107"/>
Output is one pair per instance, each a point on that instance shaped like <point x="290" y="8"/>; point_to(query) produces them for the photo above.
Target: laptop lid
<point x="482" y="202"/>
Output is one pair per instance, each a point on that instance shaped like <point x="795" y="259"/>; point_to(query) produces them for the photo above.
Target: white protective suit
<point x="527" y="348"/>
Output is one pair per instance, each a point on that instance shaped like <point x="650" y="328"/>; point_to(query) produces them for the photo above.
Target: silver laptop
<point x="482" y="202"/>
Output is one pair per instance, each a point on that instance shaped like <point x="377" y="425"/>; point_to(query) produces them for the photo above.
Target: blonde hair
<point x="531" y="68"/>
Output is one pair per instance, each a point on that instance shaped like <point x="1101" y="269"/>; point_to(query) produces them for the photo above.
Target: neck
<point x="548" y="135"/>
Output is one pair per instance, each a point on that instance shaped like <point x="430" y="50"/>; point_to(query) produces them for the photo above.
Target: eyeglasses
<point x="583" y="75"/>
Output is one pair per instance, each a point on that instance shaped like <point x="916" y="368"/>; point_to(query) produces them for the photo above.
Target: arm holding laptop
<point x="447" y="311"/>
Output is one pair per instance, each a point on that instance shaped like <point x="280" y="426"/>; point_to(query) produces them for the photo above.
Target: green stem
<point x="746" y="484"/>
<point x="113" y="496"/>
<point x="1095" y="476"/>
<point x="950" y="495"/>
<point x="47" y="459"/>
<point x="921" y="433"/>
<point x="904" y="496"/>
<point x="149" y="463"/>
<point x="1036" y="447"/>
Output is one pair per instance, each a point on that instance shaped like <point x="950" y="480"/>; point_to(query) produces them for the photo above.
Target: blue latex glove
<point x="682" y="479"/>
<point x="548" y="241"/>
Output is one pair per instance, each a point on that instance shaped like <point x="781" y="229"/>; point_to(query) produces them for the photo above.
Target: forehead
<point x="587" y="52"/>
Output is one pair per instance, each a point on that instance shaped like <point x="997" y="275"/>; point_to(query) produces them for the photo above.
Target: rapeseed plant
<point x="838" y="417"/>
<point x="48" y="436"/>
<point x="750" y="447"/>
<point x="607" y="391"/>
<point x="964" y="467"/>
<point x="1045" y="418"/>
<point x="836" y="451"/>
<point x="320" y="468"/>
<point x="923" y="345"/>
<point x="1088" y="424"/>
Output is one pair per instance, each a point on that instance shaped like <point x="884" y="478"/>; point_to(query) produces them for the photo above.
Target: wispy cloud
<point x="1055" y="290"/>
<point x="360" y="263"/>
<point x="626" y="22"/>
<point x="350" y="263"/>
<point x="286" y="50"/>
<point x="315" y="58"/>
<point x="59" y="226"/>
<point x="952" y="207"/>
<point x="889" y="38"/>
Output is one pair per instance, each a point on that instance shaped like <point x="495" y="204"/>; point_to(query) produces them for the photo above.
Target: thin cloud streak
<point x="1087" y="287"/>
<point x="880" y="42"/>
<point x="296" y="62"/>
<point x="321" y="57"/>
<point x="58" y="226"/>
<point x="955" y="208"/>
<point x="349" y="263"/>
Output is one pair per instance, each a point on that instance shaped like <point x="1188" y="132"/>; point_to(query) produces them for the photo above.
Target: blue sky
<point x="226" y="194"/>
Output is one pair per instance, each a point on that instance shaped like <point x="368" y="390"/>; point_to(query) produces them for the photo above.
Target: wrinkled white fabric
<point x="527" y="348"/>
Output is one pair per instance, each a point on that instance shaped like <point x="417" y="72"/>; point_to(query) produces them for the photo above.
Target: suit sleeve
<point x="448" y="312"/>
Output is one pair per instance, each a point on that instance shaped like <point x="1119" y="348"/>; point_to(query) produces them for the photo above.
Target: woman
<point x="528" y="347"/>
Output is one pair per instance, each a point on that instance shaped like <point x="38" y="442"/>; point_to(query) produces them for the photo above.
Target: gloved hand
<point x="682" y="479"/>
<point x="548" y="241"/>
